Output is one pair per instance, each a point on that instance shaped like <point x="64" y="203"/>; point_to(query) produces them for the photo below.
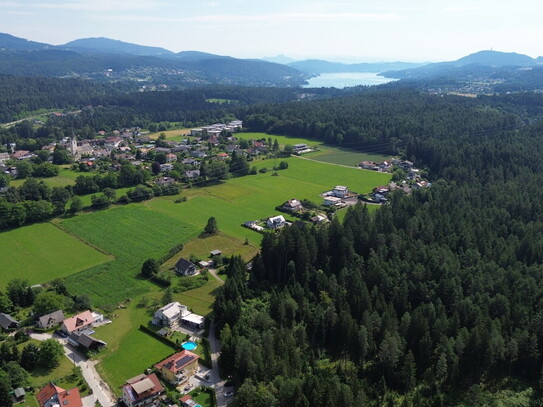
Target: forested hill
<point x="434" y="300"/>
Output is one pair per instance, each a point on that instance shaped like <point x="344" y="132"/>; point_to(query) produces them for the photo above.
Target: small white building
<point x="331" y="200"/>
<point x="340" y="191"/>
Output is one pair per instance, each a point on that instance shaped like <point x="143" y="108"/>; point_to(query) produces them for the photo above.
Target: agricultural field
<point x="132" y="234"/>
<point x="326" y="153"/>
<point x="42" y="252"/>
<point x="256" y="196"/>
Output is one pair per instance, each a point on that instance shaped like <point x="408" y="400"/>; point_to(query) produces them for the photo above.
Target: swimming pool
<point x="190" y="345"/>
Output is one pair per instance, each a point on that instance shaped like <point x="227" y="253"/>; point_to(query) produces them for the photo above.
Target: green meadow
<point x="325" y="153"/>
<point x="42" y="252"/>
<point x="131" y="234"/>
<point x="65" y="177"/>
<point x="256" y="196"/>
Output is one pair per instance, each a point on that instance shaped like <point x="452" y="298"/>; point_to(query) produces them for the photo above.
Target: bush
<point x="263" y="170"/>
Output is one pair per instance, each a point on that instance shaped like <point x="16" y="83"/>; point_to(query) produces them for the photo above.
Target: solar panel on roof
<point x="183" y="361"/>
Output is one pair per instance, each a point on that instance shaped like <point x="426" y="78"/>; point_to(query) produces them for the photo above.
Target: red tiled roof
<point x="78" y="321"/>
<point x="66" y="398"/>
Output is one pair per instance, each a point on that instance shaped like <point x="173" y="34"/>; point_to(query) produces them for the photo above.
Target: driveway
<point x="100" y="390"/>
<point x="215" y="379"/>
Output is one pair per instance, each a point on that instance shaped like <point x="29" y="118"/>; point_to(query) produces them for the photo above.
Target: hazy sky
<point x="364" y="30"/>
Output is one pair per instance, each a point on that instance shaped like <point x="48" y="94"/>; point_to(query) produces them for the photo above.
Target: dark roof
<point x="6" y="321"/>
<point x="55" y="317"/>
<point x="86" y="341"/>
<point x="183" y="265"/>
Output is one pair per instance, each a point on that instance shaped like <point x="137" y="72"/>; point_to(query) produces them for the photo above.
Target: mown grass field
<point x="173" y="135"/>
<point x="132" y="234"/>
<point x="65" y="177"/>
<point x="42" y="252"/>
<point x="256" y="196"/>
<point x="326" y="153"/>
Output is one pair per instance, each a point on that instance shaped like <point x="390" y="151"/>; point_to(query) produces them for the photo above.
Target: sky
<point x="348" y="31"/>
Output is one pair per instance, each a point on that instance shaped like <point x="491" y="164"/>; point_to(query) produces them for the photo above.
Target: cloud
<point x="99" y="5"/>
<point x="261" y="18"/>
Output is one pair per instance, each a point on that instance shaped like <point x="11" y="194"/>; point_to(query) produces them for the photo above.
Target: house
<point x="165" y="181"/>
<point x="187" y="401"/>
<point x="300" y="148"/>
<point x="214" y="253"/>
<point x="340" y="191"/>
<point x="192" y="174"/>
<point x="7" y="322"/>
<point x="78" y="322"/>
<point x="85" y="340"/>
<point x="276" y="222"/>
<point x="170" y="158"/>
<point x="21" y="155"/>
<point x="222" y="156"/>
<point x="185" y="267"/>
<point x="292" y="205"/>
<point x="50" y="320"/>
<point x="205" y="263"/>
<point x="142" y="390"/>
<point x="331" y="201"/>
<point x="55" y="396"/>
<point x="189" y="161"/>
<point x="4" y="157"/>
<point x="166" y="167"/>
<point x="170" y="314"/>
<point x="367" y="165"/>
<point x="405" y="165"/>
<point x="317" y="219"/>
<point x="178" y="368"/>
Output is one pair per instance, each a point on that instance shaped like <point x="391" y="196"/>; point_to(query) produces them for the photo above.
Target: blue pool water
<point x="189" y="346"/>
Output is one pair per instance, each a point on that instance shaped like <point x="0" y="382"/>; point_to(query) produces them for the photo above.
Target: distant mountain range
<point x="107" y="59"/>
<point x="478" y="63"/>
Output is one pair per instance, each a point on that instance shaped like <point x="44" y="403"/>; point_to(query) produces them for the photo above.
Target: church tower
<point x="73" y="145"/>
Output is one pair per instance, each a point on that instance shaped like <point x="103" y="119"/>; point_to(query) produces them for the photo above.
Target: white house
<point x="331" y="200"/>
<point x="340" y="191"/>
<point x="175" y="314"/>
<point x="276" y="222"/>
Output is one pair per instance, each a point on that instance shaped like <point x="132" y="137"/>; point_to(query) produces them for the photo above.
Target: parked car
<point x="229" y="394"/>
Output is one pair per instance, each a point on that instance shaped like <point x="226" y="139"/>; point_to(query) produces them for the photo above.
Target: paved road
<point x="217" y="382"/>
<point x="100" y="390"/>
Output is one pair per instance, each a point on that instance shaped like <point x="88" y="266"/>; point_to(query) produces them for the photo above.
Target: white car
<point x="229" y="394"/>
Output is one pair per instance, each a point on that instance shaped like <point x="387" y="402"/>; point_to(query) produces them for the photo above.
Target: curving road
<point x="100" y="390"/>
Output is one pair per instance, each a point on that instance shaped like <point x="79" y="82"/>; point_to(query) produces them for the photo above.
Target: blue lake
<point x="346" y="79"/>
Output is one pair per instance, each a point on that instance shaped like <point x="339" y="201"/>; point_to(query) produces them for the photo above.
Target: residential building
<point x="50" y="320"/>
<point x="142" y="391"/>
<point x="340" y="191"/>
<point x="192" y="174"/>
<point x="78" y="322"/>
<point x="170" y="314"/>
<point x="178" y="368"/>
<point x="55" y="396"/>
<point x="85" y="340"/>
<point x="292" y="205"/>
<point x="332" y="200"/>
<point x="8" y="322"/>
<point x="185" y="267"/>
<point x="276" y="222"/>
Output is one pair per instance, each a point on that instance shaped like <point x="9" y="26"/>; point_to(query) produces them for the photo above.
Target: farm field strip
<point x="41" y="252"/>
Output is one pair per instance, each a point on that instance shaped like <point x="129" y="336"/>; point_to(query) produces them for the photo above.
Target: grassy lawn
<point x="173" y="135"/>
<point x="65" y="177"/>
<point x="132" y="234"/>
<point x="326" y="153"/>
<point x="200" y="300"/>
<point x="201" y="397"/>
<point x="41" y="376"/>
<point x="42" y="252"/>
<point x="201" y="248"/>
<point x="256" y="196"/>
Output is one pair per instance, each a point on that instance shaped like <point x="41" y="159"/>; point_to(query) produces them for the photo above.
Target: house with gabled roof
<point x="185" y="267"/>
<point x="276" y="222"/>
<point x="142" y="390"/>
<point x="78" y="322"/>
<point x="55" y="396"/>
<point x="50" y="320"/>
<point x="8" y="322"/>
<point x="178" y="368"/>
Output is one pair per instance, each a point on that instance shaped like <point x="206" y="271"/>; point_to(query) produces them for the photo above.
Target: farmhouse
<point x="7" y="322"/>
<point x="21" y="155"/>
<point x="50" y="320"/>
<point x="276" y="222"/>
<point x="292" y="205"/>
<point x="142" y="390"/>
<point x="178" y="368"/>
<point x="53" y="396"/>
<point x="185" y="267"/>
<point x="78" y="322"/>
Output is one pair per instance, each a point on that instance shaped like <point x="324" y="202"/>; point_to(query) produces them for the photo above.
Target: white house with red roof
<point x="54" y="396"/>
<point x="78" y="322"/>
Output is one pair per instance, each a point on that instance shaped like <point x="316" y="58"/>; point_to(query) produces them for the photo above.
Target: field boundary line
<point x="58" y="226"/>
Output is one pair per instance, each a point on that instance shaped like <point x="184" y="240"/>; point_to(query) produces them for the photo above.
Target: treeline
<point x="431" y="301"/>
